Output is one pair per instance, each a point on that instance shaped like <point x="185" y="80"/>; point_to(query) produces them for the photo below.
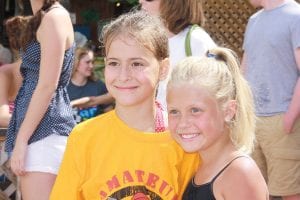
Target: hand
<point x="288" y="122"/>
<point x="17" y="160"/>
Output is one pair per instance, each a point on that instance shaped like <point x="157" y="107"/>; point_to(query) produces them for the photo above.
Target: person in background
<point x="10" y="77"/>
<point x="211" y="112"/>
<point x="84" y="85"/>
<point x="271" y="64"/>
<point x="179" y="16"/>
<point x="42" y="118"/>
<point x="127" y="153"/>
<point x="10" y="82"/>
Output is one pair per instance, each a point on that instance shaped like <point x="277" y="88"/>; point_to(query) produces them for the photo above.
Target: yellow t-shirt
<point x="106" y="159"/>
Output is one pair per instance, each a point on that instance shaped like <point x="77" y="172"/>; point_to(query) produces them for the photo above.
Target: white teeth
<point x="188" y="136"/>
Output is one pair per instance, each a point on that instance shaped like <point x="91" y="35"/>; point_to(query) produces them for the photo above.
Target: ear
<point x="164" y="69"/>
<point x="230" y="110"/>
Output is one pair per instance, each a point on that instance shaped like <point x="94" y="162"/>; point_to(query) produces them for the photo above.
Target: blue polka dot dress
<point x="58" y="118"/>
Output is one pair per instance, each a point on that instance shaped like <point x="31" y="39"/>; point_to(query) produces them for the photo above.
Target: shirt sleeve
<point x="186" y="170"/>
<point x="67" y="184"/>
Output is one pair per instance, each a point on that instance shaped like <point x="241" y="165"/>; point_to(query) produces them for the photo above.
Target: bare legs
<point x="36" y="185"/>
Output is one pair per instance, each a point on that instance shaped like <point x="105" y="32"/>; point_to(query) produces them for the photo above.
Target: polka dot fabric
<point x="58" y="118"/>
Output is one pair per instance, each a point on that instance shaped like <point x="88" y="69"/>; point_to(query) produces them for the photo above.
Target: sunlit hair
<point x="220" y="75"/>
<point x="29" y="24"/>
<point x="178" y="14"/>
<point x="147" y="30"/>
<point x="79" y="54"/>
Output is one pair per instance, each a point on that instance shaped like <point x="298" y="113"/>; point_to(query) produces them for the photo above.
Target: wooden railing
<point x="8" y="182"/>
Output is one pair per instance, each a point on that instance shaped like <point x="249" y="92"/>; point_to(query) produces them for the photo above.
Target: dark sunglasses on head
<point x="149" y="0"/>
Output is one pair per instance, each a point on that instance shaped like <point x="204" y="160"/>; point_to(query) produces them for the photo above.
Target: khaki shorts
<point x="278" y="155"/>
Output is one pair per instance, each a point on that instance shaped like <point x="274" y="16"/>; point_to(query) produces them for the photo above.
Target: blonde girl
<point x="210" y="111"/>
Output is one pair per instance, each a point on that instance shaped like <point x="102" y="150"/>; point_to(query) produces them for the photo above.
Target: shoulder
<point x="56" y="18"/>
<point x="244" y="176"/>
<point x="56" y="12"/>
<point x="100" y="82"/>
<point x="97" y="83"/>
<point x="200" y="35"/>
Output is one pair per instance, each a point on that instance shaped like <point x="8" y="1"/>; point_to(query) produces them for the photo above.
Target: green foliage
<point x="99" y="67"/>
<point x="89" y="16"/>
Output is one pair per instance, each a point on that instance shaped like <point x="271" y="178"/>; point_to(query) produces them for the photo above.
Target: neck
<point x="213" y="161"/>
<point x="271" y="4"/>
<point x="141" y="117"/>
<point x="36" y="5"/>
<point x="78" y="79"/>
<point x="221" y="150"/>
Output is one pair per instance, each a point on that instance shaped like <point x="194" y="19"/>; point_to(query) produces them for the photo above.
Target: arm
<point x="79" y="102"/>
<point x="4" y="104"/>
<point x="293" y="111"/>
<point x="94" y="101"/>
<point x="52" y="35"/>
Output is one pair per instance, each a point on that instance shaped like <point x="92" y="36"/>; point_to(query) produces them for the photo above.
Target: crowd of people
<point x="177" y="116"/>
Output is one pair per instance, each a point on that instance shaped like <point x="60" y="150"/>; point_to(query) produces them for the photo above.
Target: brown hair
<point x="178" y="14"/>
<point x="147" y="30"/>
<point x="79" y="54"/>
<point x="27" y="26"/>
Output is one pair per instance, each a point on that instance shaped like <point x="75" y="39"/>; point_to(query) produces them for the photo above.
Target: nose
<point x="124" y="73"/>
<point x="184" y="122"/>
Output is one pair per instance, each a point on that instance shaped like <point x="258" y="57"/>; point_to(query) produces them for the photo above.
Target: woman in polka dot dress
<point x="42" y="118"/>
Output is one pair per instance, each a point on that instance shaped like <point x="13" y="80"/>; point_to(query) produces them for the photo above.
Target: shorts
<point x="278" y="155"/>
<point x="46" y="155"/>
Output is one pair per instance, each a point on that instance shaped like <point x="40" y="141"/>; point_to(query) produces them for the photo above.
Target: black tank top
<point x="204" y="191"/>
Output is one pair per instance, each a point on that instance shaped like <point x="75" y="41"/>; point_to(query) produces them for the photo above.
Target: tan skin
<point x="10" y="82"/>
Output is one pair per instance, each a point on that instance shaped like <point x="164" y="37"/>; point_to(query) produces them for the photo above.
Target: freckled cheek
<point x="172" y="125"/>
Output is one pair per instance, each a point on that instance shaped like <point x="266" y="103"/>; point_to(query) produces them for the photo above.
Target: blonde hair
<point x="178" y="14"/>
<point x="79" y="54"/>
<point x="219" y="73"/>
<point x="147" y="30"/>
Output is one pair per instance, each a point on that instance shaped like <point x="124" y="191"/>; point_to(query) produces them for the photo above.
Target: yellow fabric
<point x="105" y="158"/>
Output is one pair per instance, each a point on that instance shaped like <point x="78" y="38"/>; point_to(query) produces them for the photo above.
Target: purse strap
<point x="188" y="49"/>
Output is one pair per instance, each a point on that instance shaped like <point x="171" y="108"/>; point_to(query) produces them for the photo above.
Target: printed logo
<point x="137" y="185"/>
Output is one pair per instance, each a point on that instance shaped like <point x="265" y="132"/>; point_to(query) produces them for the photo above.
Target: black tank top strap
<point x="222" y="170"/>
